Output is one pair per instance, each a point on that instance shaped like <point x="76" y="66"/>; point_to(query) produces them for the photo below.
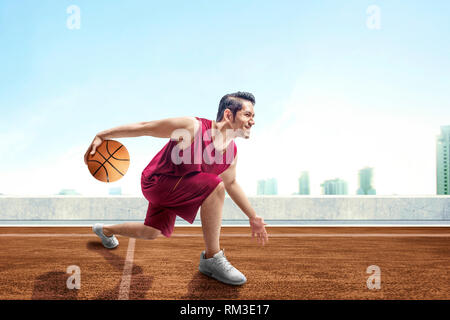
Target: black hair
<point x="233" y="102"/>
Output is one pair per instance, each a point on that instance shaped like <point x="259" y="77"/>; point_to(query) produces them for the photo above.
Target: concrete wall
<point x="269" y="207"/>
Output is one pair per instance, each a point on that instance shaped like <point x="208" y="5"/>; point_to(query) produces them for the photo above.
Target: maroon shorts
<point x="171" y="196"/>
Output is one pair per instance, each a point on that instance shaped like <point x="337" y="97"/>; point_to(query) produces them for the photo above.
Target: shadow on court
<point x="140" y="283"/>
<point x="203" y="287"/>
<point x="113" y="259"/>
<point x="52" y="286"/>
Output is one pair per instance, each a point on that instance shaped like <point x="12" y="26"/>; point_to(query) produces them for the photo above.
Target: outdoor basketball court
<point x="297" y="263"/>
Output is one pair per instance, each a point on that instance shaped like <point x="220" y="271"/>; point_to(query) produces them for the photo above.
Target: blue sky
<point x="135" y="61"/>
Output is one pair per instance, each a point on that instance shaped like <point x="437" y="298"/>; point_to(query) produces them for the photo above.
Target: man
<point x="192" y="171"/>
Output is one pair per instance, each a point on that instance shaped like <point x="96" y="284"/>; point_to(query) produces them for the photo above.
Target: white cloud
<point x="68" y="171"/>
<point x="331" y="138"/>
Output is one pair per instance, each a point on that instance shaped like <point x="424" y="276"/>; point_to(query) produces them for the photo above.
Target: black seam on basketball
<point x="112" y="155"/>
<point x="106" y="160"/>
<point x="94" y="161"/>
<point x="101" y="166"/>
<point x="120" y="159"/>
<point x="114" y="168"/>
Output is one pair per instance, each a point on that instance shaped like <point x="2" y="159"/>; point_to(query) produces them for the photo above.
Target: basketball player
<point x="176" y="183"/>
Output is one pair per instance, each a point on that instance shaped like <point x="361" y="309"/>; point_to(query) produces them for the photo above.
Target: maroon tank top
<point x="200" y="156"/>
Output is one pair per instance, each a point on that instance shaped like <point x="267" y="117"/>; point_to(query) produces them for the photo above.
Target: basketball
<point x="110" y="161"/>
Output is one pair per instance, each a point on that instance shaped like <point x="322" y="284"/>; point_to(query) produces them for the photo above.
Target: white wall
<point x="269" y="207"/>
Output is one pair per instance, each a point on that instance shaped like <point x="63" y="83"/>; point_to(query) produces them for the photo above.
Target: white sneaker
<point x="108" y="242"/>
<point x="219" y="268"/>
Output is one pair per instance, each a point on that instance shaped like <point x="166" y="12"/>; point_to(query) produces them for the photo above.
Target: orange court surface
<point x="298" y="263"/>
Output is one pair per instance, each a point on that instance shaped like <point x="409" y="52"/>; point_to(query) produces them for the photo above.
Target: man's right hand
<point x="91" y="150"/>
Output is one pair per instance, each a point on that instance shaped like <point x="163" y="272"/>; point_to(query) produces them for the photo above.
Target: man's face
<point x="244" y="120"/>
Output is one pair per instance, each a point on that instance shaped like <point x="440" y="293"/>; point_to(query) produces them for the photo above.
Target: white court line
<point x="440" y="224"/>
<point x="45" y="235"/>
<point x="127" y="270"/>
<point x="271" y="235"/>
<point x="330" y="235"/>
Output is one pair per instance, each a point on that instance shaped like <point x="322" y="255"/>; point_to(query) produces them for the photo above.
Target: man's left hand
<point x="259" y="230"/>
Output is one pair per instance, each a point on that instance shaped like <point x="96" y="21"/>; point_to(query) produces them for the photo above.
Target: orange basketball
<point x="110" y="161"/>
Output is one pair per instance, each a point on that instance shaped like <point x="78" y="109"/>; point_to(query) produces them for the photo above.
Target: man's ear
<point x="228" y="115"/>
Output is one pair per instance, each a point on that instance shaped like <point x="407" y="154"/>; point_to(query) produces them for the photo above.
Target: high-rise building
<point x="117" y="191"/>
<point x="365" y="182"/>
<point x="267" y="187"/>
<point x="303" y="183"/>
<point x="442" y="160"/>
<point x="260" y="187"/>
<point x="271" y="186"/>
<point x="336" y="186"/>
<point x="70" y="192"/>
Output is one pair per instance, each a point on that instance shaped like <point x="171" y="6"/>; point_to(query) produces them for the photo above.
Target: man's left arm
<point x="236" y="193"/>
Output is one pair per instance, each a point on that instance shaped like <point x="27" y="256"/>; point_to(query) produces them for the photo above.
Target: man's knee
<point x="217" y="194"/>
<point x="152" y="236"/>
<point x="149" y="233"/>
<point x="220" y="190"/>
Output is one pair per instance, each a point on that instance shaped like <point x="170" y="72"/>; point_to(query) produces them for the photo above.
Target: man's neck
<point x="221" y="127"/>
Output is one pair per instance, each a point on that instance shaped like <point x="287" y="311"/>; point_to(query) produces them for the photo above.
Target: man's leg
<point x="133" y="230"/>
<point x="211" y="217"/>
<point x="217" y="267"/>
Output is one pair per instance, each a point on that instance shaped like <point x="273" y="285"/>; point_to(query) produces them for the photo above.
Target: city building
<point x="117" y="191"/>
<point x="365" y="182"/>
<point x="303" y="183"/>
<point x="68" y="192"/>
<point x="267" y="187"/>
<point x="442" y="161"/>
<point x="336" y="186"/>
<point x="260" y="187"/>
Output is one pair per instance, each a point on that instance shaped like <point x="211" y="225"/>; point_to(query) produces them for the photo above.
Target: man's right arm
<point x="156" y="128"/>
